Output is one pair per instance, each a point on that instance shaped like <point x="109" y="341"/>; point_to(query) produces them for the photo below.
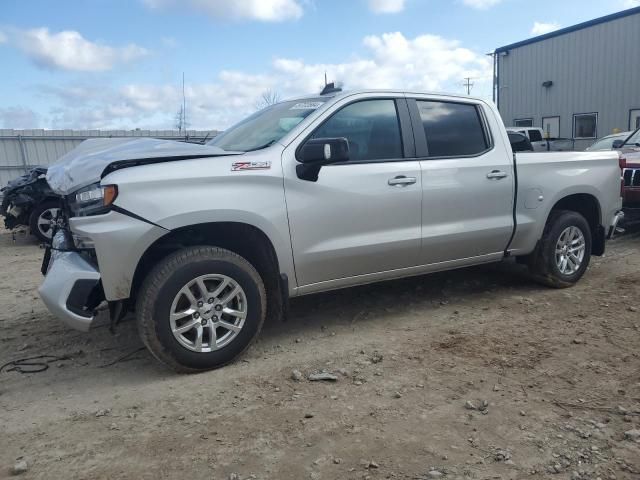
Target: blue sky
<point x="119" y="63"/>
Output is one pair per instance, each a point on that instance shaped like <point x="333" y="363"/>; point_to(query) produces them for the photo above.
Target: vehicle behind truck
<point x="205" y="242"/>
<point x="629" y="151"/>
<point x="541" y="142"/>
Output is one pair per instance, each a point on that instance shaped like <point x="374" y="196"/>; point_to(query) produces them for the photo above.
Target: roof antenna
<point x="330" y="88"/>
<point x="325" y="78"/>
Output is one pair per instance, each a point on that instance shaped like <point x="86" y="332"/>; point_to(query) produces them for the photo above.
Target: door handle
<point x="497" y="174"/>
<point x="401" y="181"/>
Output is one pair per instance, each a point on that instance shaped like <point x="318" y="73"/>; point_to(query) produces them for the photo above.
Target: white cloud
<point x="3" y="37"/>
<point x="426" y="63"/>
<point x="69" y="50"/>
<point x="540" y="28"/>
<point x="386" y="6"/>
<point x="169" y="42"/>
<point x="18" y="117"/>
<point x="261" y="10"/>
<point x="481" y="4"/>
<point x="630" y="3"/>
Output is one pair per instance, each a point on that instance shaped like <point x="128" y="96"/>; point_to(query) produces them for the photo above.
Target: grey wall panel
<point x="595" y="69"/>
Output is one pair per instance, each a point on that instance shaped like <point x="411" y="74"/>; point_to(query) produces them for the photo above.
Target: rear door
<point x="467" y="180"/>
<point x="360" y="217"/>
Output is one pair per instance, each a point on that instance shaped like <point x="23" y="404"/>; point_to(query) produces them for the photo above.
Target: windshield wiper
<point x="268" y="144"/>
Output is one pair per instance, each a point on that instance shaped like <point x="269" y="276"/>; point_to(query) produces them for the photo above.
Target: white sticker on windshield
<point x="306" y="106"/>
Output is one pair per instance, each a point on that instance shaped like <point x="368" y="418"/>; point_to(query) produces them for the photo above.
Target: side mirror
<point x="617" y="144"/>
<point x="316" y="152"/>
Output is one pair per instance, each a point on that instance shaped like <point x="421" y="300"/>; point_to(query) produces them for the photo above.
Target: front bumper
<point x="71" y="289"/>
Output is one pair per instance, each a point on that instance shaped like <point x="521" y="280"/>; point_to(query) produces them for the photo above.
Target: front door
<point x="467" y="182"/>
<point x="363" y="216"/>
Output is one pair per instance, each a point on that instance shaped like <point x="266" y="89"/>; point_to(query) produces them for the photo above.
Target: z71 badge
<point x="237" y="166"/>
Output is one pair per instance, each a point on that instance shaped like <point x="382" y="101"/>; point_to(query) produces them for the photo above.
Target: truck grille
<point x="631" y="177"/>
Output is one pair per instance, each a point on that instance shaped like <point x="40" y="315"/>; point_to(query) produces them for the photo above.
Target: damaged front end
<point x="22" y="194"/>
<point x="72" y="288"/>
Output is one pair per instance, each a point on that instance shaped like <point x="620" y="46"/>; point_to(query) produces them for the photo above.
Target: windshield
<point x="634" y="139"/>
<point x="266" y="126"/>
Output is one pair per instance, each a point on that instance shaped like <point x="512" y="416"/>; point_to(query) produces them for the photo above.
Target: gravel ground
<point x="477" y="373"/>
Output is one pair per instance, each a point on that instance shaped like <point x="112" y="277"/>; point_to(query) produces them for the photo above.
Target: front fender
<point x="174" y="195"/>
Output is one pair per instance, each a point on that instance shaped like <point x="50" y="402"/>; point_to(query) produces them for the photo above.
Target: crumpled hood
<point x="86" y="163"/>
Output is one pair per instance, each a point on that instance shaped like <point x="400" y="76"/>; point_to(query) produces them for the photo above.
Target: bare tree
<point x="268" y="97"/>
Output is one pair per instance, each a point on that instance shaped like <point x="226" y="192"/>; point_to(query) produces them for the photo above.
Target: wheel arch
<point x="589" y="207"/>
<point x="246" y="240"/>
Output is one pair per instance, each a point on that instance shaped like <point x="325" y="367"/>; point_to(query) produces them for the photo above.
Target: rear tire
<point x="564" y="251"/>
<point x="185" y="322"/>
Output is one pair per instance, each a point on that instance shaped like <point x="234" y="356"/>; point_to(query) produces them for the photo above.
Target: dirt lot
<point x="559" y="370"/>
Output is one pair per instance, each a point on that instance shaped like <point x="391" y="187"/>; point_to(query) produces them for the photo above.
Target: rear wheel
<point x="564" y="251"/>
<point x="200" y="308"/>
<point x="43" y="219"/>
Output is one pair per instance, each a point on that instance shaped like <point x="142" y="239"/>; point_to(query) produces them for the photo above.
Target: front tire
<point x="564" y="252"/>
<point x="200" y="308"/>
<point x="42" y="220"/>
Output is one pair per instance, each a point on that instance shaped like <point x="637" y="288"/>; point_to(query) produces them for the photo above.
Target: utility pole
<point x="184" y="105"/>
<point x="468" y="84"/>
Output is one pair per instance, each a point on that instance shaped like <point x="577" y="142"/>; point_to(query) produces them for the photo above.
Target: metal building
<point x="23" y="149"/>
<point x="580" y="82"/>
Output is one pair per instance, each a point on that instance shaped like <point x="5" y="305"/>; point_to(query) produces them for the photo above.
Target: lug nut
<point x="214" y="318"/>
<point x="203" y="322"/>
<point x="196" y="315"/>
<point x="218" y="308"/>
<point x="210" y="300"/>
<point x="200" y="304"/>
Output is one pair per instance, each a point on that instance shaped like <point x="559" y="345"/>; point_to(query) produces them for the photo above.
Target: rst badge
<point x="237" y="166"/>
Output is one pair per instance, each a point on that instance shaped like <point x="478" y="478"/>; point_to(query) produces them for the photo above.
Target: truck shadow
<point x="403" y="296"/>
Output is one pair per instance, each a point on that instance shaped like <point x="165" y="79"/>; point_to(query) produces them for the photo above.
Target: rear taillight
<point x="622" y="161"/>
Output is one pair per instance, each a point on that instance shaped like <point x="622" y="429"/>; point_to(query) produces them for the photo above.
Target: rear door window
<point x="452" y="129"/>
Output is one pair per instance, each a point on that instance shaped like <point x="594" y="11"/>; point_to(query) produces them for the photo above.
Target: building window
<point x="585" y="125"/>
<point x="551" y="127"/>
<point x="523" y="122"/>
<point x="634" y="119"/>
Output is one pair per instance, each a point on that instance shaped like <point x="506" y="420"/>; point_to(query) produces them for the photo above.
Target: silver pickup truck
<point x="204" y="242"/>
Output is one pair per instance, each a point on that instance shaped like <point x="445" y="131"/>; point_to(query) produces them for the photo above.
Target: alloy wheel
<point x="570" y="249"/>
<point x="208" y="313"/>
